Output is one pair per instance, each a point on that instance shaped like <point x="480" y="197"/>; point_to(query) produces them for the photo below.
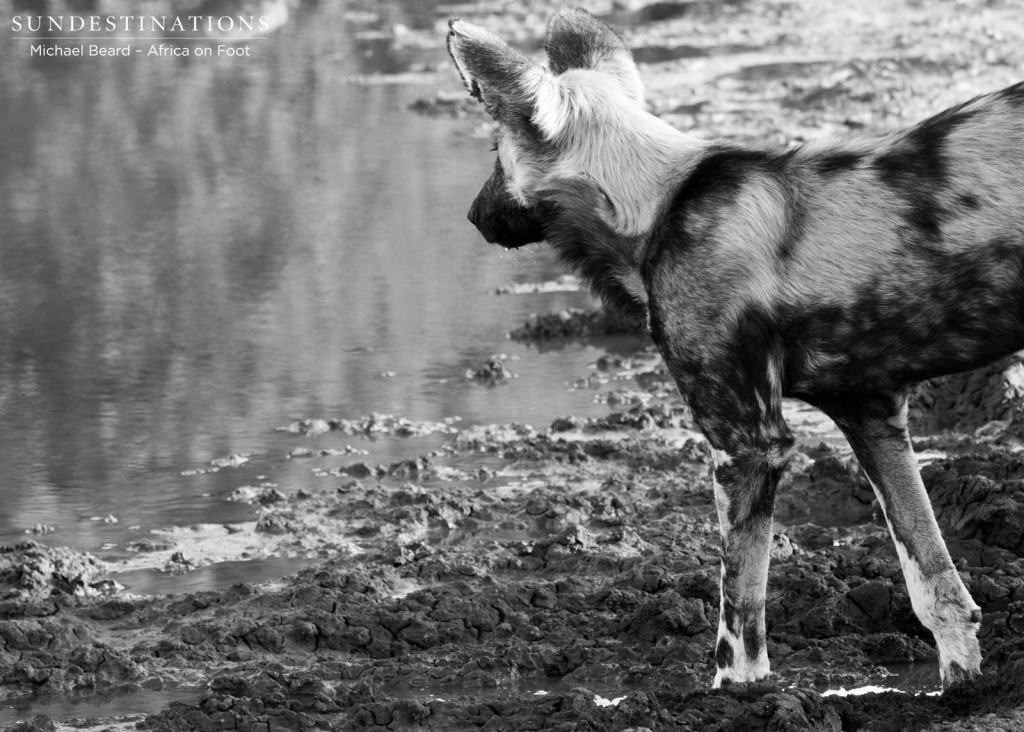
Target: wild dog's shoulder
<point x="733" y="197"/>
<point x="721" y="170"/>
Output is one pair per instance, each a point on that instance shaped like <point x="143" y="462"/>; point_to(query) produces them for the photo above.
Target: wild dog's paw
<point x="945" y="607"/>
<point x="954" y="674"/>
<point x="726" y="676"/>
<point x="733" y="665"/>
<point x="959" y="651"/>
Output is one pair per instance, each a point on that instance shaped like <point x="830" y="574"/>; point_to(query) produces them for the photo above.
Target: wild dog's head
<point x="580" y="161"/>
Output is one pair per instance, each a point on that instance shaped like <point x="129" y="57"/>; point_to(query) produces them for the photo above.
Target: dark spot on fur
<point x="750" y="483"/>
<point x="951" y="311"/>
<point x="916" y="169"/>
<point x="723" y="654"/>
<point x="968" y="200"/>
<point x="753" y="640"/>
<point x="729" y="613"/>
<point x="794" y="230"/>
<point x="838" y="162"/>
<point x="743" y="369"/>
<point x="717" y="180"/>
<point x="721" y="173"/>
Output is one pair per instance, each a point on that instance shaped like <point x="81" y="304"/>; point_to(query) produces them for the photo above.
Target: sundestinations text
<point x="139" y="23"/>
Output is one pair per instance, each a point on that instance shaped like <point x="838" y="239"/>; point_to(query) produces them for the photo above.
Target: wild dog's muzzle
<point x="500" y="218"/>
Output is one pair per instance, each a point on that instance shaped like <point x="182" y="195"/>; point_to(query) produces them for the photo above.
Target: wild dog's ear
<point x="498" y="75"/>
<point x="575" y="39"/>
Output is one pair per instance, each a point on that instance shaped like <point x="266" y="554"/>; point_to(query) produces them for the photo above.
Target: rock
<point x="574" y="323"/>
<point x="263" y="495"/>
<point x="34" y="570"/>
<point x="967" y="401"/>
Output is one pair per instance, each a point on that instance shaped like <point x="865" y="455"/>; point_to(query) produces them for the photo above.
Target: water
<point x="196" y="251"/>
<point x="86" y="710"/>
<point x="906" y="678"/>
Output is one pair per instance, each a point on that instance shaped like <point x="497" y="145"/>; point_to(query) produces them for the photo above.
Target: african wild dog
<point x="840" y="273"/>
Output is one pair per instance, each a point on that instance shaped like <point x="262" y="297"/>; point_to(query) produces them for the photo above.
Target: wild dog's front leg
<point x="745" y="483"/>
<point x="877" y="431"/>
<point x="750" y="443"/>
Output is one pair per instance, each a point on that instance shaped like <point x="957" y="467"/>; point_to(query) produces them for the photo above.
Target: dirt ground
<point x="565" y="576"/>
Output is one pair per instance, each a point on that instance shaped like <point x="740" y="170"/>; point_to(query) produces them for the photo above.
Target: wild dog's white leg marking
<point x="943" y="605"/>
<point x="946" y="608"/>
<point x="877" y="430"/>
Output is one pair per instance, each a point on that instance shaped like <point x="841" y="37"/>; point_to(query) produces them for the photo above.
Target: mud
<point x="573" y="323"/>
<point x="565" y="577"/>
<point x="572" y="585"/>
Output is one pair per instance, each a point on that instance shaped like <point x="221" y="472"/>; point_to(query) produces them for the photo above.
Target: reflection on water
<point x="194" y="251"/>
<point x="95" y="706"/>
<point x="215" y="576"/>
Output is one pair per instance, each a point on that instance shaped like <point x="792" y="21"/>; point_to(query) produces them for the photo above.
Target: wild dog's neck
<point x="639" y="169"/>
<point x="604" y="259"/>
<point x="600" y="222"/>
<point x="591" y="127"/>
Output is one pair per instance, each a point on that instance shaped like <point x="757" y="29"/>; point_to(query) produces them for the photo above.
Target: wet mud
<point x="565" y="576"/>
<point x="524" y="578"/>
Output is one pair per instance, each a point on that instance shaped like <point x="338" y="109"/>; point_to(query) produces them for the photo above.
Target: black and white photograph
<point x="608" y="365"/>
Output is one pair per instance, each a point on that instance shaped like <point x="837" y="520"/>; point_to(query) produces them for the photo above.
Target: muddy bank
<point x="572" y="587"/>
<point x="531" y="578"/>
<point x="570" y="584"/>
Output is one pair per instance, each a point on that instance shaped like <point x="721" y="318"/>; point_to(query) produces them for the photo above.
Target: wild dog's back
<point x="880" y="261"/>
<point x="932" y="276"/>
<point x="952" y="183"/>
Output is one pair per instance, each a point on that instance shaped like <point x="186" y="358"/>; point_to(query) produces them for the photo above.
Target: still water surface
<point x="196" y="251"/>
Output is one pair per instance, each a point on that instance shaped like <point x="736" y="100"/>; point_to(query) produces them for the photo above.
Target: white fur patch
<point x="520" y="176"/>
<point x="720" y="457"/>
<point x="553" y="110"/>
<point x="944" y="606"/>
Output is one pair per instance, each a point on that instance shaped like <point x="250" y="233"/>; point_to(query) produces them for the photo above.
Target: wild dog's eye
<point x="494" y="146"/>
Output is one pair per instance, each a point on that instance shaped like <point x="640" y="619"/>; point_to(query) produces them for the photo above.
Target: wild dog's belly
<point x="888" y="340"/>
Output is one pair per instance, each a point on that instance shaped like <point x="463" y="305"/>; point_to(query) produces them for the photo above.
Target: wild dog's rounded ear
<point x="500" y="76"/>
<point x="575" y="39"/>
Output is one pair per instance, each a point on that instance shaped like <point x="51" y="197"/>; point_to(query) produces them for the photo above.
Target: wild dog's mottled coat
<point x="840" y="272"/>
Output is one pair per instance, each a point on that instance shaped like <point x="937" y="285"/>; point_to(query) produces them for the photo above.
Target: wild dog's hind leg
<point x="877" y="431"/>
<point x="750" y="447"/>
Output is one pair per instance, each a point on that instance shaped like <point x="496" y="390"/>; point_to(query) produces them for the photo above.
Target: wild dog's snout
<point x="500" y="218"/>
<point x="477" y="216"/>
